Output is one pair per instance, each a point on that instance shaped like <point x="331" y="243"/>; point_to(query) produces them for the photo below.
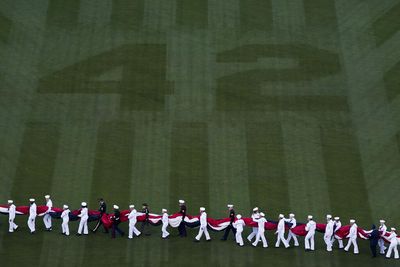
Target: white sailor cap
<point x="281" y="216"/>
<point x="352" y="221"/>
<point x="181" y="201"/>
<point x="83" y="204"/>
<point x="229" y="206"/>
<point x="131" y="206"/>
<point x="10" y="201"/>
<point x="309" y="217"/>
<point x="47" y="196"/>
<point x="238" y="216"/>
<point x="337" y="218"/>
<point x="32" y="200"/>
<point x="328" y="217"/>
<point x="393" y="229"/>
<point x="164" y="210"/>
<point x="255" y="209"/>
<point x="291" y="215"/>
<point x="262" y="214"/>
<point x="65" y="206"/>
<point x="382" y="221"/>
<point x="202" y="209"/>
<point x="115" y="207"/>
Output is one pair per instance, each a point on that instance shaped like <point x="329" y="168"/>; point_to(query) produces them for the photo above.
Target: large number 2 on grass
<point x="242" y="90"/>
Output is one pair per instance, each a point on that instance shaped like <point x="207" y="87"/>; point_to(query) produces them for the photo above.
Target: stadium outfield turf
<point x="288" y="105"/>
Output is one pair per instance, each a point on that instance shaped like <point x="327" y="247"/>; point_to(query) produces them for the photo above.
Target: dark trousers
<point x="99" y="222"/>
<point x="116" y="228"/>
<point x="145" y="227"/>
<point x="227" y="230"/>
<point x="182" y="229"/>
<point x="373" y="249"/>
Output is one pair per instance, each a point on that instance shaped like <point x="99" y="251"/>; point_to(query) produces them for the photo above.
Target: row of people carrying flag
<point x="333" y="229"/>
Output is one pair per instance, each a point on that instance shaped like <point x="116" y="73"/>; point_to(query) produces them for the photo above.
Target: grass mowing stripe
<point x="64" y="15"/>
<point x="345" y="174"/>
<point x="5" y="28"/>
<point x="33" y="179"/>
<point x="127" y="15"/>
<point x="321" y="14"/>
<point x="305" y="168"/>
<point x="192" y="14"/>
<point x="268" y="187"/>
<point x="387" y="25"/>
<point x="113" y="163"/>
<point x="189" y="177"/>
<point x="255" y="15"/>
<point x="392" y="82"/>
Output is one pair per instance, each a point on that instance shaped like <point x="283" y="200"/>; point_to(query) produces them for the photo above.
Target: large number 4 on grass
<point x="136" y="72"/>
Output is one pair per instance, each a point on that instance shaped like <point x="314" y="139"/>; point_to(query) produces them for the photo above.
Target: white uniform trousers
<point x="133" y="229"/>
<point x="352" y="241"/>
<point x="340" y="241"/>
<point x="281" y="237"/>
<point x="290" y="236"/>
<point x="31" y="223"/>
<point x="252" y="234"/>
<point x="47" y="221"/>
<point x="65" y="228"/>
<point x="203" y="229"/>
<point x="381" y="244"/>
<point x="83" y="226"/>
<point x="328" y="242"/>
<point x="12" y="226"/>
<point x="260" y="235"/>
<point x="393" y="247"/>
<point x="238" y="236"/>
<point x="309" y="241"/>
<point x="164" y="230"/>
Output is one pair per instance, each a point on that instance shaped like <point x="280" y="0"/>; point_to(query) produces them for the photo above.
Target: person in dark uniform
<point x="230" y="226"/>
<point x="145" y="228"/>
<point x="182" y="227"/>
<point x="102" y="209"/>
<point x="373" y="240"/>
<point x="116" y="219"/>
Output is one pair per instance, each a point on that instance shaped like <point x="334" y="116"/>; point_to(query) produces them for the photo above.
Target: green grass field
<point x="289" y="105"/>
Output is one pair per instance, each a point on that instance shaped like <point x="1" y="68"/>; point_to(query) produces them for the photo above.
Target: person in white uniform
<point x="309" y="239"/>
<point x="239" y="225"/>
<point x="65" y="220"/>
<point x="291" y="235"/>
<point x="47" y="217"/>
<point x="254" y="215"/>
<point x="84" y="215"/>
<point x="352" y="236"/>
<point x="329" y="232"/>
<point x="337" y="225"/>
<point x="203" y="226"/>
<point x="132" y="216"/>
<point x="32" y="215"/>
<point x="165" y="223"/>
<point x="280" y="232"/>
<point x="393" y="244"/>
<point x="260" y="231"/>
<point x="381" y="243"/>
<point x="11" y="216"/>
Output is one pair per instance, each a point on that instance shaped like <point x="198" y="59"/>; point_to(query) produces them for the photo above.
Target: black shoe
<point x="32" y="233"/>
<point x="196" y="241"/>
<point x="78" y="234"/>
<point x="208" y="240"/>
